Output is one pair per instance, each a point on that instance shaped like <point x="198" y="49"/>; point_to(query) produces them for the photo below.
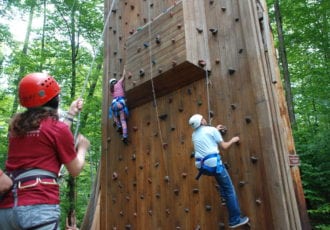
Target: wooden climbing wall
<point x="184" y="57"/>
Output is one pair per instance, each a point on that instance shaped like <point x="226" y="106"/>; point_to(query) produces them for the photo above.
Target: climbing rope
<point x="153" y="88"/>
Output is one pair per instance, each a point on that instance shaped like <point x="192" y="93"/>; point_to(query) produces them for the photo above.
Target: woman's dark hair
<point x="112" y="88"/>
<point x="30" y="120"/>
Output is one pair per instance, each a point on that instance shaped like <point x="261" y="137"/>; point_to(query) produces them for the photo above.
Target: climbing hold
<point x="141" y="197"/>
<point x="128" y="226"/>
<point x="201" y="63"/>
<point x="156" y="164"/>
<point x="146" y="45"/>
<point x="173" y="40"/>
<point x="157" y="195"/>
<point x="192" y="155"/>
<point x="217" y="61"/>
<point x="114" y="11"/>
<point x="134" y="183"/>
<point x="198" y="227"/>
<point x="240" y="51"/>
<point x="165" y="145"/>
<point x="223" y="9"/>
<point x="186" y="210"/>
<point x="199" y="102"/>
<point x="211" y="2"/>
<point x="223" y="130"/>
<point x="129" y="75"/>
<point x="114" y="176"/>
<point x="108" y="139"/>
<point x="121" y="213"/>
<point x="128" y="198"/>
<point x="180" y="109"/>
<point x="114" y="31"/>
<point x="211" y="113"/>
<point x="258" y="201"/>
<point x="172" y="128"/>
<point x="214" y="31"/>
<point x="132" y="7"/>
<point x="158" y="40"/>
<point x="133" y="157"/>
<point x="199" y="30"/>
<point x="167" y="211"/>
<point x="167" y="178"/>
<point x="151" y="5"/>
<point x="176" y="191"/>
<point x="231" y="71"/>
<point x="171" y="14"/>
<point x="115" y="52"/>
<point x="233" y="106"/>
<point x="221" y="226"/>
<point x="149" y="180"/>
<point x="184" y="175"/>
<point x="254" y="159"/>
<point x="163" y="116"/>
<point x="236" y="19"/>
<point x="160" y="70"/>
<point x="141" y="167"/>
<point x="174" y="63"/>
<point x="153" y="62"/>
<point x="248" y="119"/>
<point x="195" y="190"/>
<point x="141" y="72"/>
<point x="138" y="49"/>
<point x="170" y="100"/>
<point x="179" y="26"/>
<point x="132" y="31"/>
<point x="208" y="207"/>
<point x="135" y="128"/>
<point x="242" y="183"/>
<point x="150" y="212"/>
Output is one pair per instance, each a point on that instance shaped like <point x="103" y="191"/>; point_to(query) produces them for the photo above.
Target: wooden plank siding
<point x="150" y="183"/>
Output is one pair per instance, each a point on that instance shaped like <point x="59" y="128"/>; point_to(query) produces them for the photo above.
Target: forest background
<point x="64" y="37"/>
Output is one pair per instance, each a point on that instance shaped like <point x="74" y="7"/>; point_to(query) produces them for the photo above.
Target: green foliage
<point x="306" y="34"/>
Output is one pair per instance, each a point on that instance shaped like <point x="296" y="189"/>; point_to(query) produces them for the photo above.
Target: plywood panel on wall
<point x="196" y="56"/>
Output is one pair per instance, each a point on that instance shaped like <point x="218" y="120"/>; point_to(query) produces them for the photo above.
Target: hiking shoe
<point x="125" y="140"/>
<point x="242" y="221"/>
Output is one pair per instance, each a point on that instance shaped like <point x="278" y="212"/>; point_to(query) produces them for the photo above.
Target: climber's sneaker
<point x="242" y="221"/>
<point x="125" y="140"/>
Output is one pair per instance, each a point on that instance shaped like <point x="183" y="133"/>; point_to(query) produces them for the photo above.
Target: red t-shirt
<point x="46" y="148"/>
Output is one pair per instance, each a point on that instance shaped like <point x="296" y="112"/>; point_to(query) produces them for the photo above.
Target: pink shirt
<point x="46" y="148"/>
<point x="119" y="89"/>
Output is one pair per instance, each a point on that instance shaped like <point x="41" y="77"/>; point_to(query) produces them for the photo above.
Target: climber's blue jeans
<point x="227" y="191"/>
<point x="37" y="217"/>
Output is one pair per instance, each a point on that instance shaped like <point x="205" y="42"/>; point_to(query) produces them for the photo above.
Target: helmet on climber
<point x="195" y="121"/>
<point x="112" y="81"/>
<point x="37" y="89"/>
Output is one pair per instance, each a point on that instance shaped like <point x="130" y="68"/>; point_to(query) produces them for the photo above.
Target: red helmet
<point x="36" y="89"/>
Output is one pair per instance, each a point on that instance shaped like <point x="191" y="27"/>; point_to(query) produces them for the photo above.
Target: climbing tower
<point x="213" y="57"/>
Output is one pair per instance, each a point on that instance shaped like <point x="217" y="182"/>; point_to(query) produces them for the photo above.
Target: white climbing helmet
<point x="112" y="81"/>
<point x="195" y="121"/>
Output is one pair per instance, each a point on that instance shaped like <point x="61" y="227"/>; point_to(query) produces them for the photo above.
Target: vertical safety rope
<point x="153" y="87"/>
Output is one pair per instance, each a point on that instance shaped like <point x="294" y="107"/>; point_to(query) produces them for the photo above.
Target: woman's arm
<point x="76" y="165"/>
<point x="5" y="182"/>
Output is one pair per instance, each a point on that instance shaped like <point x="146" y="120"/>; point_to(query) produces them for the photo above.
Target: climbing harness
<point x="207" y="170"/>
<point x="115" y="109"/>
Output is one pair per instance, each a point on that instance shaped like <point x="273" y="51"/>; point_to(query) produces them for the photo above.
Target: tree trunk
<point x="284" y="63"/>
<point x="24" y="53"/>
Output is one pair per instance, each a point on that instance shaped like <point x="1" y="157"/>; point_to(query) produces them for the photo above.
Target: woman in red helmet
<point x="39" y="143"/>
